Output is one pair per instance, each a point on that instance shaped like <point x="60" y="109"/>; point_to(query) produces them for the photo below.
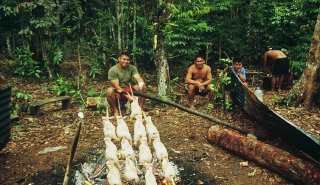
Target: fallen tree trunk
<point x="189" y="111"/>
<point x="266" y="155"/>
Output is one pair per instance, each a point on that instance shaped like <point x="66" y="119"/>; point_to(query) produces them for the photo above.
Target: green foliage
<point x="171" y="83"/>
<point x="96" y="67"/>
<point x="219" y="83"/>
<point x="21" y="102"/>
<point x="24" y="96"/>
<point x="287" y="101"/>
<point x="91" y="92"/>
<point x="26" y="67"/>
<point x="209" y="108"/>
<point x="63" y="86"/>
<point x="297" y="68"/>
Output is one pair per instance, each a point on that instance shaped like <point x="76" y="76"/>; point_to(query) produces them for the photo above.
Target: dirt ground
<point x="184" y="135"/>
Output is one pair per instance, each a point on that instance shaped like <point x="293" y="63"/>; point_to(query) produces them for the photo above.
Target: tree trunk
<point x="134" y="39"/>
<point x="162" y="66"/>
<point x="308" y="87"/>
<point x="9" y="46"/>
<point x="266" y="155"/>
<point x="160" y="59"/>
<point x="118" y="8"/>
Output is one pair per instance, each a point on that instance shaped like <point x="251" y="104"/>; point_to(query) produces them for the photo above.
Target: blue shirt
<point x="242" y="71"/>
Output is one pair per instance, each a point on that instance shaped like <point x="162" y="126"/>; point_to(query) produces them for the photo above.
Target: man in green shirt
<point x="121" y="76"/>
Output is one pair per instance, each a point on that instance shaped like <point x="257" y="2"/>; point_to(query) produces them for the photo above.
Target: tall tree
<point x="308" y="87"/>
<point x="160" y="59"/>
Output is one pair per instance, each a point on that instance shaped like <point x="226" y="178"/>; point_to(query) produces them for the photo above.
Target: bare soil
<point x="184" y="135"/>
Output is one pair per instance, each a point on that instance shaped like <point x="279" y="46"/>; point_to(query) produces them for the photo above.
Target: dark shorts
<point x="196" y="90"/>
<point x="280" y="66"/>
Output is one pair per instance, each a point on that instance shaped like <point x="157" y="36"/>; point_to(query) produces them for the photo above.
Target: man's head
<point x="237" y="63"/>
<point x="199" y="62"/>
<point x="124" y="60"/>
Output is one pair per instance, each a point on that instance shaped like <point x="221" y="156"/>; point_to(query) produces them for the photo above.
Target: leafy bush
<point x="297" y="68"/>
<point x="26" y="67"/>
<point x="21" y="102"/>
<point x="63" y="86"/>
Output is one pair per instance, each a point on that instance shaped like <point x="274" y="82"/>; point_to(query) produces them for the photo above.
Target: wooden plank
<point x="35" y="107"/>
<point x="50" y="100"/>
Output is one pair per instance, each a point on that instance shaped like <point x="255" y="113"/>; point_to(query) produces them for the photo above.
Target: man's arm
<point x="242" y="75"/>
<point x="188" y="79"/>
<point x="208" y="78"/>
<point x="116" y="85"/>
<point x="138" y="77"/>
<point x="265" y="60"/>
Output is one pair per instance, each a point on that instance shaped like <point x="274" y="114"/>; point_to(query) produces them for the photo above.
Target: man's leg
<point x="112" y="100"/>
<point x="280" y="82"/>
<point x="141" y="99"/>
<point x="273" y="82"/>
<point x="191" y="96"/>
<point x="208" y="91"/>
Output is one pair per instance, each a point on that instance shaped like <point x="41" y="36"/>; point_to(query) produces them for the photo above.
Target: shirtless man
<point x="198" y="79"/>
<point x="280" y="66"/>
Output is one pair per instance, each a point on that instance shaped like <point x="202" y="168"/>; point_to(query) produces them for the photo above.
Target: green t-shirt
<point x="125" y="76"/>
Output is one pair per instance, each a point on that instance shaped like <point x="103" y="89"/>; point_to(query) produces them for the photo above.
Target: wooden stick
<point x="144" y="114"/>
<point x="72" y="152"/>
<point x="173" y="183"/>
<point x="131" y="89"/>
<point x="190" y="111"/>
<point x="119" y="107"/>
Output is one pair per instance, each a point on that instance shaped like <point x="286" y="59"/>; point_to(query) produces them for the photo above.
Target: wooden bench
<point x="34" y="107"/>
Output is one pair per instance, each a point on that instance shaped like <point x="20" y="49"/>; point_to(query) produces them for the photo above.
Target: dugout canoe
<point x="5" y="120"/>
<point x="288" y="131"/>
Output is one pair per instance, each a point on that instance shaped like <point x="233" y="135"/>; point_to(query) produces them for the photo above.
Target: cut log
<point x="273" y="158"/>
<point x="94" y="102"/>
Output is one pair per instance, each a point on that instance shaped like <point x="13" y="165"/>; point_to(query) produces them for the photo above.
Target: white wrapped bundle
<point x="135" y="107"/>
<point x="130" y="171"/>
<point x="160" y="149"/>
<point x="139" y="130"/>
<point x="113" y="174"/>
<point x="111" y="151"/>
<point x="122" y="129"/>
<point x="149" y="176"/>
<point x="152" y="131"/>
<point x="109" y="129"/>
<point x="168" y="170"/>
<point x="127" y="150"/>
<point x="145" y="155"/>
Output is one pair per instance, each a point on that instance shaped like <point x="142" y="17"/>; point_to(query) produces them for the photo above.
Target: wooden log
<point x="279" y="161"/>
